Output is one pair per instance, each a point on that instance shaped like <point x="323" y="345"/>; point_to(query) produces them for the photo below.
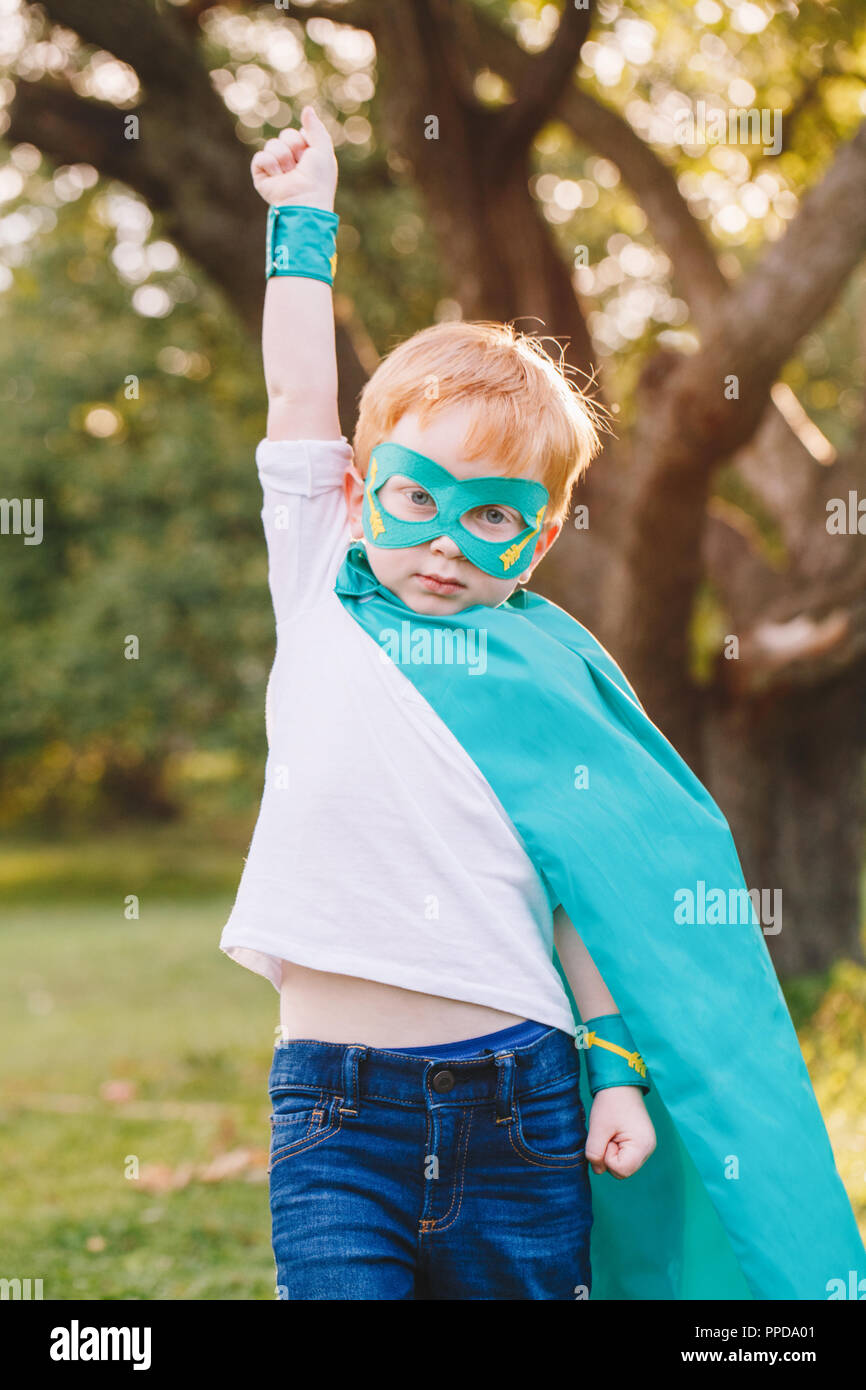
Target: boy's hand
<point x="299" y="166"/>
<point x="621" y="1136"/>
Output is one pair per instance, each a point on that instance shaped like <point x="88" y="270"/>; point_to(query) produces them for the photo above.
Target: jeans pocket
<point x="549" y="1127"/>
<point x="301" y="1116"/>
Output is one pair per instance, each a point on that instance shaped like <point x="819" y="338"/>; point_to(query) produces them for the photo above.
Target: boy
<point x="407" y="884"/>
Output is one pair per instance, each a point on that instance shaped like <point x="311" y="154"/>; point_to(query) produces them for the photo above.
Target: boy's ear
<point x="353" y="492"/>
<point x="545" y="540"/>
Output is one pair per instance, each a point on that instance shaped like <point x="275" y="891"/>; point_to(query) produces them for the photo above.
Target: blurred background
<point x="677" y="193"/>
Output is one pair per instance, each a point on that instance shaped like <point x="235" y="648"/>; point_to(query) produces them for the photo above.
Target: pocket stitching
<point x="315" y="1097"/>
<point x="314" y="1118"/>
<point x="307" y="1141"/>
<point x="538" y="1156"/>
<point x="542" y="1160"/>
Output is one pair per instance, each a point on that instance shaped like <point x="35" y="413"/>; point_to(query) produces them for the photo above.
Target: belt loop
<point x="351" y="1057"/>
<point x="504" y="1085"/>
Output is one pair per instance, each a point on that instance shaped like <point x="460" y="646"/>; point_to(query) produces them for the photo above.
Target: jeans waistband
<point x="517" y="1035"/>
<point x="354" y="1071"/>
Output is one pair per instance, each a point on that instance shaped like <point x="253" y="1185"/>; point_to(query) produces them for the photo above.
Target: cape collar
<point x="357" y="580"/>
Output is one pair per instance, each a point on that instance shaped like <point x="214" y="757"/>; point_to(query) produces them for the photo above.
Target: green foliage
<point x="151" y="531"/>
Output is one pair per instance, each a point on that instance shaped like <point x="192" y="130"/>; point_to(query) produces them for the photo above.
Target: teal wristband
<point x="611" y="1056"/>
<point x="301" y="241"/>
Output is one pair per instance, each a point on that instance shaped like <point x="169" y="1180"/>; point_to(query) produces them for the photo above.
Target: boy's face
<point x="436" y="577"/>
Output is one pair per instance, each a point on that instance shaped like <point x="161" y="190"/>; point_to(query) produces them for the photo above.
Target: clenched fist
<point x="621" y="1134"/>
<point x="299" y="166"/>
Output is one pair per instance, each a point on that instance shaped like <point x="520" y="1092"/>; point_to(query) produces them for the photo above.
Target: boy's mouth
<point x="436" y="584"/>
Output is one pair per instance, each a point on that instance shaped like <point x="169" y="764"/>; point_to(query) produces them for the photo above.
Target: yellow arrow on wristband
<point x="634" y="1059"/>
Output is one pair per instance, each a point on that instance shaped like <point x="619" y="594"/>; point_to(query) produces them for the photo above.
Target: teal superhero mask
<point x="453" y="500"/>
<point x="741" y="1198"/>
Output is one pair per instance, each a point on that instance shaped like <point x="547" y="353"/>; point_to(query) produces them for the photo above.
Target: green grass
<point x="168" y="862"/>
<point x="88" y="997"/>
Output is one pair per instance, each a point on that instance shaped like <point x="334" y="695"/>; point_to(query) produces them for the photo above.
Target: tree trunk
<point x="788" y="773"/>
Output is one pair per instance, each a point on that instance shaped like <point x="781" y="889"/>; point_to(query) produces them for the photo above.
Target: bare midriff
<point x="346" y="1009"/>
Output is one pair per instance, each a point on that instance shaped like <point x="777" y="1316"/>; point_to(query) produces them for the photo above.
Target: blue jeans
<point x="399" y="1176"/>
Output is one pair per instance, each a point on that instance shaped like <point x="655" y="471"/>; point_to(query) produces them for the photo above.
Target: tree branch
<point x="543" y="80"/>
<point x="70" y="129"/>
<point x="653" y="184"/>
<point x="358" y="14"/>
<point x="692" y="422"/>
<point x="798" y="278"/>
<point x="203" y="190"/>
<point x="153" y="43"/>
<point x="758" y="327"/>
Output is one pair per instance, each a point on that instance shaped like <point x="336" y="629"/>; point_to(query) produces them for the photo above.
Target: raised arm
<point x="298" y="347"/>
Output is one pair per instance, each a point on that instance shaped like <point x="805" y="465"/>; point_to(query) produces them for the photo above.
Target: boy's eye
<point x="407" y="501"/>
<point x="489" y="519"/>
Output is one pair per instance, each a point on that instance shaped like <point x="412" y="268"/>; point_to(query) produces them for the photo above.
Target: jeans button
<point x="443" y="1080"/>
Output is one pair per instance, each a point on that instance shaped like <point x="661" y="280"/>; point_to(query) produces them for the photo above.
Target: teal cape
<point x="741" y="1198"/>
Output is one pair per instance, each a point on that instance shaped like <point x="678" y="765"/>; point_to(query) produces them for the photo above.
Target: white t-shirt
<point x="380" y="850"/>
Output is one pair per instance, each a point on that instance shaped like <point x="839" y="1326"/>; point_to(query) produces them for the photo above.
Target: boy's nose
<point x="444" y="545"/>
